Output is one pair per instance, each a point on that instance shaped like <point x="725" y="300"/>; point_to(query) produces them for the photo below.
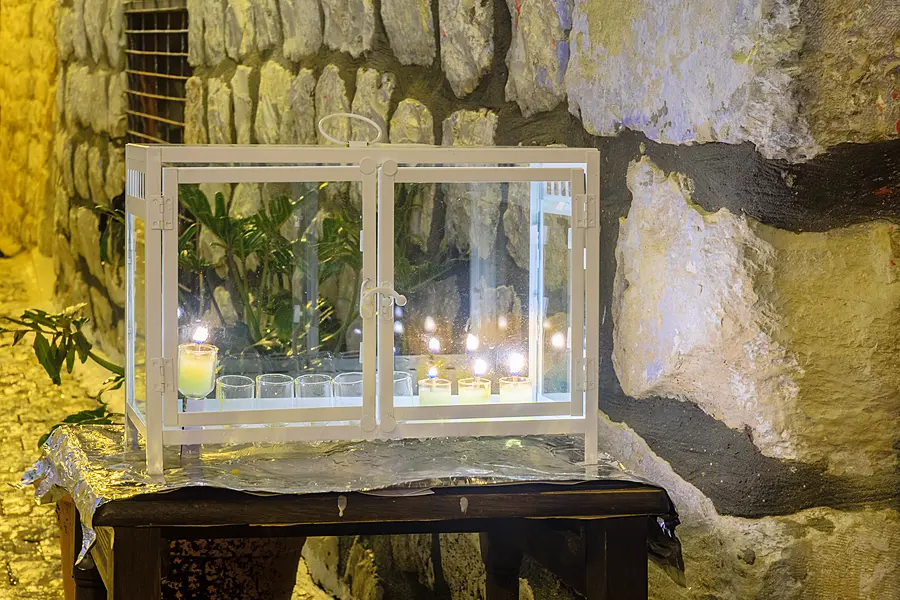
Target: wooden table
<point x="611" y="516"/>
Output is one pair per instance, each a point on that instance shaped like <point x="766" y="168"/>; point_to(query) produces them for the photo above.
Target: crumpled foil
<point x="91" y="464"/>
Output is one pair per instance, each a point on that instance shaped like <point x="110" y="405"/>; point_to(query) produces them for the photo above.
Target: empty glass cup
<point x="349" y="388"/>
<point x="232" y="391"/>
<point x="403" y="385"/>
<point x="275" y="386"/>
<point x="314" y="386"/>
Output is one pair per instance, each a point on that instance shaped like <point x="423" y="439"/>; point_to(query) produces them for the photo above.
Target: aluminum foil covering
<point x="92" y="465"/>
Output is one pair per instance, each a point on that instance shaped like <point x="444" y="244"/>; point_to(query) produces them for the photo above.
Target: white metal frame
<point x="154" y="173"/>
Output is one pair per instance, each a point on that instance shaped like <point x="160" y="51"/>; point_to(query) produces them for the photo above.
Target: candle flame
<point x="479" y="367"/>
<point x="201" y="334"/>
<point x="558" y="340"/>
<point x="430" y="325"/>
<point x="434" y="345"/>
<point x="472" y="342"/>
<point x="516" y="363"/>
<point x="502" y="322"/>
<point x="398" y="327"/>
<point x="432" y="372"/>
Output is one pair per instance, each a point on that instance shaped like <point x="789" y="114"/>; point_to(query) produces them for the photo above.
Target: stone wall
<point x="749" y="286"/>
<point x="86" y="240"/>
<point x="27" y="87"/>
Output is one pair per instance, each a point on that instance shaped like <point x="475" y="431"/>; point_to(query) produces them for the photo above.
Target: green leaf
<point x="42" y="351"/>
<point x="71" y="352"/>
<point x="220" y="205"/>
<point x="83" y="346"/>
<point x="18" y="335"/>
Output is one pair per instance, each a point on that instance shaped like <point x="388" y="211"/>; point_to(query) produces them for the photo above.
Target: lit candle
<point x="434" y="345"/>
<point x="477" y="389"/>
<point x="197" y="366"/>
<point x="516" y="388"/>
<point x="558" y="340"/>
<point x="430" y="325"/>
<point x="472" y="342"/>
<point x="434" y="390"/>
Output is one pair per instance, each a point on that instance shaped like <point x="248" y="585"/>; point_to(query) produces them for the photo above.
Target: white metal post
<point x="156" y="375"/>
<point x="369" y="185"/>
<point x="170" y="296"/>
<point x="385" y="304"/>
<point x="576" y="295"/>
<point x="592" y="321"/>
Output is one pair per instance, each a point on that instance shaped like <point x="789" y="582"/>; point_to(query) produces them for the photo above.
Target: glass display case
<point x="279" y="293"/>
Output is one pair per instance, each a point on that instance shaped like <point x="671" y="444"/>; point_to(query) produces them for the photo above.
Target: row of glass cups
<point x="312" y="386"/>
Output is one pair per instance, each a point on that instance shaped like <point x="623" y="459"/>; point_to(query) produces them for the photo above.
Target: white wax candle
<point x="434" y="391"/>
<point x="515" y="389"/>
<point x="474" y="390"/>
<point x="196" y="369"/>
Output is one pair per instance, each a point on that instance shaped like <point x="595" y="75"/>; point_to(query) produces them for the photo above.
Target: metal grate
<point x="157" y="70"/>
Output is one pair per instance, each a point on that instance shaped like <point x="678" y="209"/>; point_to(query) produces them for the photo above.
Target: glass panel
<point x="137" y="333"/>
<point x="483" y="314"/>
<point x="269" y="275"/>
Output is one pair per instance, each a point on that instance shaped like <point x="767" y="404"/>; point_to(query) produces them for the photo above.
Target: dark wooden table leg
<point x="615" y="556"/>
<point x="502" y="558"/>
<point x="135" y="568"/>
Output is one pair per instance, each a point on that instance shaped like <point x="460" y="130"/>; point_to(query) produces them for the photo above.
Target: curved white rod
<point x="350" y="116"/>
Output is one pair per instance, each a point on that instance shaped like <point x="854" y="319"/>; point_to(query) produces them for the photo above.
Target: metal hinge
<point x="164" y="372"/>
<point x="586" y="210"/>
<point x="162" y="212"/>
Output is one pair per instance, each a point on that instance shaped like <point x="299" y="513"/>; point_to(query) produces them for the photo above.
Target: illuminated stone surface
<point x="299" y="124"/>
<point x="412" y="123"/>
<point x="790" y="337"/>
<point x="243" y="103"/>
<point x="194" y="112"/>
<point x="240" y="30"/>
<point x="214" y="31"/>
<point x="331" y="97"/>
<point x="274" y="103"/>
<point x="301" y="23"/>
<point x="97" y="162"/>
<point x="538" y="54"/>
<point x="791" y="78"/>
<point x="372" y="100"/>
<point x="410" y="29"/>
<point x="349" y="25"/>
<point x="467" y="42"/>
<point x="114" y="33"/>
<point x="219" y="111"/>
<point x="117" y="104"/>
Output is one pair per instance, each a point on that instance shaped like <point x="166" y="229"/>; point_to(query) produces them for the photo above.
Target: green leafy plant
<point x="58" y="343"/>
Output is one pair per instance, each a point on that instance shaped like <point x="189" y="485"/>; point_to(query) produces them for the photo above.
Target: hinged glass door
<point x="262" y="276"/>
<point x="491" y="335"/>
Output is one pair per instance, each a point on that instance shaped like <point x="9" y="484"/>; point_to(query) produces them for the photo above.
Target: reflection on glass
<point x="274" y="386"/>
<point x="349" y="385"/>
<point x="232" y="389"/>
<point x="315" y="385"/>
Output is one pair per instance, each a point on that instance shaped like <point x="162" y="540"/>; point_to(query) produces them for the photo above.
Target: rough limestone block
<point x="473" y="209"/>
<point x="462" y="565"/>
<point x="331" y="97"/>
<point x="86" y="239"/>
<point x="98" y="100"/>
<point x="194" y="112"/>
<point x="815" y="553"/>
<point x="115" y="172"/>
<point x="299" y="126"/>
<point x="68" y="176"/>
<point x="102" y="311"/>
<point x="372" y="100"/>
<point x="65" y="22"/>
<point x="218" y="111"/>
<point x="61" y="211"/>
<point x="80" y="170"/>
<point x="96" y="170"/>
<point x="274" y="103"/>
<point x="267" y="23"/>
<point x="790" y="337"/>
<point x="410" y="30"/>
<point x="243" y="103"/>
<point x="412" y="554"/>
<point x="538" y="54"/>
<point x="118" y="104"/>
<point x="349" y="25"/>
<point x="196" y="50"/>
<point x="791" y="77"/>
<point x="114" y="33"/>
<point x="246" y="201"/>
<point x="301" y="24"/>
<point x="412" y="123"/>
<point x="94" y="17"/>
<point x="240" y="30"/>
<point x="79" y="35"/>
<point x="467" y="42"/>
<point x="77" y="102"/>
<point x="214" y="31"/>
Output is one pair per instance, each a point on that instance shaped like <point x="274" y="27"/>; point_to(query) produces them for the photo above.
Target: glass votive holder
<point x="274" y="386"/>
<point x="474" y="390"/>
<point x="315" y="386"/>
<point x="349" y="388"/>
<point x="197" y="369"/>
<point x="403" y="386"/>
<point x="234" y="388"/>
<point x="434" y="391"/>
<point x="515" y="389"/>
